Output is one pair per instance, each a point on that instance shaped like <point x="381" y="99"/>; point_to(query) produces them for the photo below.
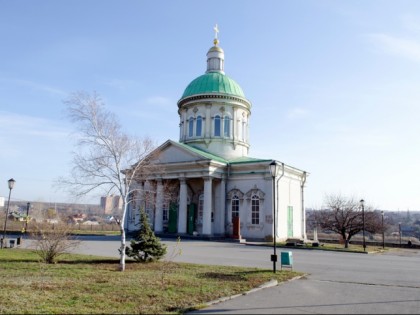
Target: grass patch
<point x="81" y="284"/>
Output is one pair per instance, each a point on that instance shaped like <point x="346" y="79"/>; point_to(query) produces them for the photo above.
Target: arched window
<point x="190" y="127"/>
<point x="255" y="209"/>
<point x="217" y="126"/>
<point x="226" y="128"/>
<point x="199" y="126"/>
<point x="235" y="207"/>
<point x="243" y="131"/>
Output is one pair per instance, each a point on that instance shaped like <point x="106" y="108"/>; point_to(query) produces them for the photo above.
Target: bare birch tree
<point x="107" y="158"/>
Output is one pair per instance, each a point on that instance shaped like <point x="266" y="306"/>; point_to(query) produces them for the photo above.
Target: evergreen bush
<point x="145" y="247"/>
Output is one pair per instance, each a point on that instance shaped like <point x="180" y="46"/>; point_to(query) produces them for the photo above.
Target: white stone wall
<point x="235" y="145"/>
<point x="289" y="194"/>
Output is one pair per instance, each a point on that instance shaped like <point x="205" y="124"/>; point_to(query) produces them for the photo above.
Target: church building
<point x="221" y="191"/>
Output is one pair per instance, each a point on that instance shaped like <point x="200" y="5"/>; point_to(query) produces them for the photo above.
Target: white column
<point x="221" y="213"/>
<point x="207" y="206"/>
<point x="182" y="212"/>
<point x="159" y="207"/>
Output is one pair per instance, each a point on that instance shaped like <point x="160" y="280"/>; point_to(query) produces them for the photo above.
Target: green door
<point x="289" y="221"/>
<point x="191" y="218"/>
<point x="173" y="218"/>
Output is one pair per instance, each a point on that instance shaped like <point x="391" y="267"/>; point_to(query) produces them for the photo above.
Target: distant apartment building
<point x="1" y="201"/>
<point x="110" y="204"/>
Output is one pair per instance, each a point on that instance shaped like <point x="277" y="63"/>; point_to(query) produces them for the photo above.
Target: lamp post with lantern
<point x="362" y="205"/>
<point x="399" y="232"/>
<point x="274" y="169"/>
<point x="383" y="231"/>
<point x="11" y="183"/>
<point x="28" y="205"/>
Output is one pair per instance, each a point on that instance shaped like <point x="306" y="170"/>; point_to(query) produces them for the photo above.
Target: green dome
<point x="213" y="82"/>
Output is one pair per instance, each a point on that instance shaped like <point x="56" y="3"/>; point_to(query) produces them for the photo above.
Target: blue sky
<point x="335" y="85"/>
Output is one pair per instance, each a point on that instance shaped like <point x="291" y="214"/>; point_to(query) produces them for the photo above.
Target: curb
<point x="315" y="248"/>
<point x="269" y="284"/>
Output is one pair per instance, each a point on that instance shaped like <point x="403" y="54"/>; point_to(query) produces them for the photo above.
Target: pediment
<point x="172" y="152"/>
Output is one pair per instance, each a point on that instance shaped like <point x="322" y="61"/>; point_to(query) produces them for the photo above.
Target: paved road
<point x="337" y="283"/>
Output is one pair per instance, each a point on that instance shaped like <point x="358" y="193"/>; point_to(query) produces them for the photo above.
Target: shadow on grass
<point x="235" y="276"/>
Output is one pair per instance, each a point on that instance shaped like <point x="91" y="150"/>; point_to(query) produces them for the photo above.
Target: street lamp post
<point x="11" y="183"/>
<point x="362" y="204"/>
<point x="27" y="215"/>
<point x="383" y="231"/>
<point x="274" y="171"/>
<point x="400" y="232"/>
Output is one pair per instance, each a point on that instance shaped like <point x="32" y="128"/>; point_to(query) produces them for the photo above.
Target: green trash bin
<point x="286" y="259"/>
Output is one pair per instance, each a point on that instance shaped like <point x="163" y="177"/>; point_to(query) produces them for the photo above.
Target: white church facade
<point x="220" y="190"/>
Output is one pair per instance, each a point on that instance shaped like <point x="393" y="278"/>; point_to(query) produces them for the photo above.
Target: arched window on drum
<point x="217" y="126"/>
<point x="199" y="126"/>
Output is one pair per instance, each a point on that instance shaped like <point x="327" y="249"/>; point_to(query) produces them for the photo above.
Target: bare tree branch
<point x="106" y="158"/>
<point x="344" y="217"/>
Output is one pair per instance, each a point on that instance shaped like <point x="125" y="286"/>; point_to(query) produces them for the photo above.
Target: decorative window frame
<point x="235" y="192"/>
<point x="255" y="215"/>
<point x="255" y="191"/>
<point x="227" y="117"/>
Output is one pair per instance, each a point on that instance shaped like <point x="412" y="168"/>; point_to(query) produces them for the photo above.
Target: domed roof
<point x="213" y="82"/>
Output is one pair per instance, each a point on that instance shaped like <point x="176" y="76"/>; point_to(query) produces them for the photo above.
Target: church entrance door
<point x="173" y="218"/>
<point x="192" y="214"/>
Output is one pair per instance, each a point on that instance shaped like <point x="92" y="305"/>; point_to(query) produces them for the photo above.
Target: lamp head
<point x="274" y="169"/>
<point x="362" y="202"/>
<point x="11" y="183"/>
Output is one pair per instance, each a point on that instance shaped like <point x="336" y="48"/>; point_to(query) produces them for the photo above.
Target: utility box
<point x="286" y="259"/>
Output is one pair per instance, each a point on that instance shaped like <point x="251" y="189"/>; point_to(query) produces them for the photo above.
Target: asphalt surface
<point x="336" y="282"/>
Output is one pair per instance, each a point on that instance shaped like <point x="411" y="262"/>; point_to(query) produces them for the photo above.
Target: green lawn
<point x="81" y="284"/>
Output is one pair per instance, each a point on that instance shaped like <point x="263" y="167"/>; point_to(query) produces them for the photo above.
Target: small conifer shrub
<point x="145" y="247"/>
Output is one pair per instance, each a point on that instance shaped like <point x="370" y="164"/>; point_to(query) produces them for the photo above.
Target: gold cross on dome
<point x="216" y="31"/>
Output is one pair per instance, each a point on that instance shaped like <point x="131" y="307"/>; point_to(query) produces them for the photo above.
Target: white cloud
<point x="12" y="125"/>
<point x="20" y="134"/>
<point x="411" y="23"/>
<point x="407" y="48"/>
<point x="297" y="112"/>
<point x="36" y="86"/>
<point x="121" y="85"/>
<point x="160" y="101"/>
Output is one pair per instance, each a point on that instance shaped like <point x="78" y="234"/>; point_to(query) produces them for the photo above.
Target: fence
<point x="18" y="226"/>
<point x="371" y="240"/>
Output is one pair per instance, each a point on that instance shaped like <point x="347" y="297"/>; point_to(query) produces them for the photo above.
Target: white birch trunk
<point x="122" y="229"/>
